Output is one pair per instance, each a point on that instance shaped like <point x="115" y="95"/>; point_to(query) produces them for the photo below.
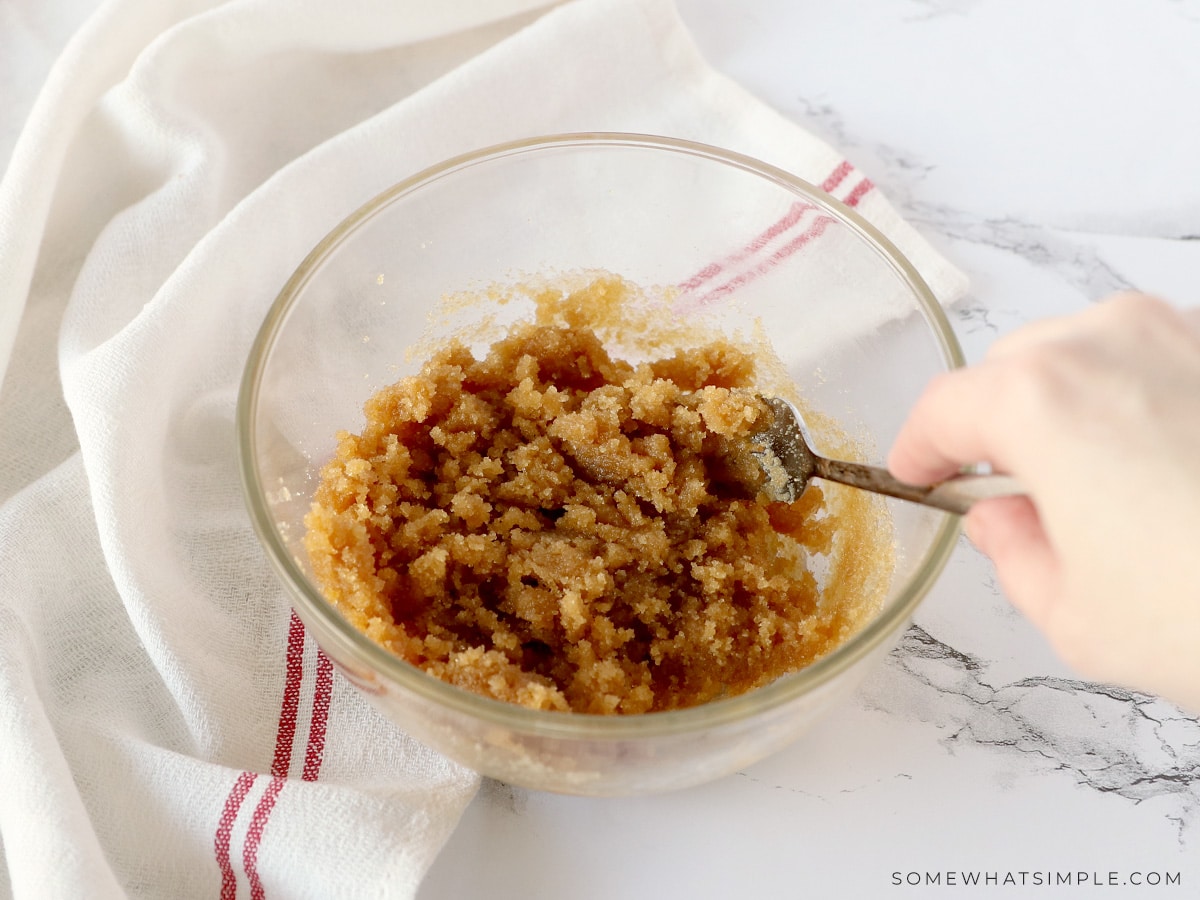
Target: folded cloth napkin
<point x="166" y="727"/>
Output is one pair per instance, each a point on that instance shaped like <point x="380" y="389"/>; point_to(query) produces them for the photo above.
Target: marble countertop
<point x="1049" y="149"/>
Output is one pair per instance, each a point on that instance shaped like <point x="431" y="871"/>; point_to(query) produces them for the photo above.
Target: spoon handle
<point x="955" y="495"/>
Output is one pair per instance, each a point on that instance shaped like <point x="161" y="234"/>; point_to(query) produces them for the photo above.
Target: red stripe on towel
<point x="837" y="176"/>
<point x="254" y="834"/>
<point x="815" y="230"/>
<point x="859" y="192"/>
<point x="285" y="736"/>
<point x="315" y="751"/>
<point x="233" y="803"/>
<point x="793" y="215"/>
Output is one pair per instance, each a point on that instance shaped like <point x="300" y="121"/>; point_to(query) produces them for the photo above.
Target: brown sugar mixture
<point x="558" y="528"/>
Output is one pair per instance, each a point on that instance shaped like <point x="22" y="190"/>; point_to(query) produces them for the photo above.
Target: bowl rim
<point x="340" y="638"/>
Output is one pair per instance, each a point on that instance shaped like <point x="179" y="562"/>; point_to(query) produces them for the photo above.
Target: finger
<point x="1192" y="317"/>
<point x="946" y="428"/>
<point x="1130" y="306"/>
<point x="1033" y="334"/>
<point x="1009" y="531"/>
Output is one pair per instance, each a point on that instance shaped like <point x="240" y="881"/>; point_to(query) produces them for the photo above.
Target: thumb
<point x="1009" y="531"/>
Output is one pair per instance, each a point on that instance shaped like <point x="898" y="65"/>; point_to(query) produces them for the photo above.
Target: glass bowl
<point x="858" y="330"/>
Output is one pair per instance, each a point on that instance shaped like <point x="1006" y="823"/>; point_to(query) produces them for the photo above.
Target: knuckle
<point x="938" y="397"/>
<point x="1137" y="322"/>
<point x="1078" y="657"/>
<point x="1034" y="381"/>
<point x="943" y="384"/>
<point x="1043" y="397"/>
<point x="1001" y="345"/>
<point x="1082" y="655"/>
<point x="1135" y="310"/>
<point x="1069" y="636"/>
<point x="1192" y="319"/>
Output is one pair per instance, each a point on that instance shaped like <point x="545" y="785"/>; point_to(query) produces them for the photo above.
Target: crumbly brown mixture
<point x="557" y="528"/>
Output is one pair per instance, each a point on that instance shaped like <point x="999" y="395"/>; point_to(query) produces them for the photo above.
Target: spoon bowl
<point x="785" y="455"/>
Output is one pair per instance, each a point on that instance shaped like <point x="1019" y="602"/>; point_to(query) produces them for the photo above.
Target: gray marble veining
<point x="1078" y="265"/>
<point x="1106" y="739"/>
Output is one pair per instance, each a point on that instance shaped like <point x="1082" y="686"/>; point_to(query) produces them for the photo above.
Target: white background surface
<point x="1047" y="147"/>
<point x="1050" y="149"/>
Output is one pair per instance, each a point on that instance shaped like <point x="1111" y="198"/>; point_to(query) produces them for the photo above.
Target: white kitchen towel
<point x="166" y="727"/>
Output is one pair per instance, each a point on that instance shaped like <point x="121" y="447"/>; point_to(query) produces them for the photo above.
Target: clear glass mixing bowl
<point x="857" y="328"/>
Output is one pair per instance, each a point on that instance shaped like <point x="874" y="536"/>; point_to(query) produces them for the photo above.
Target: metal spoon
<point x="786" y="458"/>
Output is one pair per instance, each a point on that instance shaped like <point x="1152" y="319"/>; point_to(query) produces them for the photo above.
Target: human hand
<point x="1098" y="416"/>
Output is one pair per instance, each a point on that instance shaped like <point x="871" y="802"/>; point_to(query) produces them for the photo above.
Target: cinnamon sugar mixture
<point x="555" y="527"/>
